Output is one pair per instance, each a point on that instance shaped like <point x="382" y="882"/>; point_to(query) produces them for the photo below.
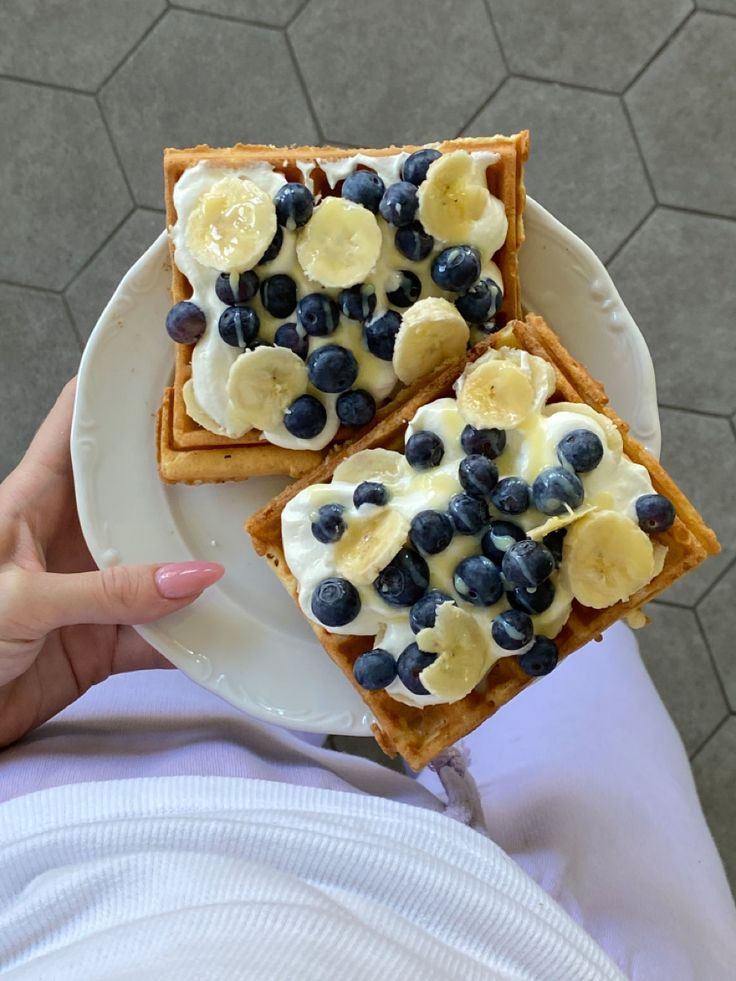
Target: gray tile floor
<point x="634" y="135"/>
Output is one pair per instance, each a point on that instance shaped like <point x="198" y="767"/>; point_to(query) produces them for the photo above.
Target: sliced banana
<point x="341" y="243"/>
<point x="606" y="558"/>
<point x="559" y="521"/>
<point x="495" y="393"/>
<point x="464" y="649"/>
<point x="197" y="413"/>
<point x="262" y="384"/>
<point x="613" y="436"/>
<point x="231" y="226"/>
<point x="386" y="466"/>
<point x="432" y="332"/>
<point x="369" y="544"/>
<point x="660" y="554"/>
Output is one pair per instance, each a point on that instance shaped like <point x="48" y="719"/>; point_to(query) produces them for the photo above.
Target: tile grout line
<point x="484" y="105"/>
<point x="576" y="86"/>
<point x="665" y="44"/>
<point x="129" y="54"/>
<point x="695" y="412"/>
<point x="305" y="88"/>
<point x="619" y="248"/>
<point x="29" y="286"/>
<point x="713" y="662"/>
<point x="637" y="144"/>
<point x="116" y="152"/>
<point x="108" y="238"/>
<point x="661" y="601"/>
<point x="701" y="747"/>
<point x="721" y="575"/>
<point x="497" y="36"/>
<point x="54" y="86"/>
<point x="73" y="322"/>
<point x="683" y="209"/>
<point x="229" y="18"/>
<point x="300" y="10"/>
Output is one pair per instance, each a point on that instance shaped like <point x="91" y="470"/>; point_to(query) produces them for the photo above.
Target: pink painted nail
<point x="180" y="579"/>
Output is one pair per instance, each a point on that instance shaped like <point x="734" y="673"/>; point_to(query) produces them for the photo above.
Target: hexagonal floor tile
<point x="682" y="110"/>
<point x="275" y="12"/>
<point x="602" y="45"/>
<point x="715" y="774"/>
<point x="178" y="89"/>
<point x="677" y="659"/>
<point x="717" y="614"/>
<point x="40" y="354"/>
<point x="686" y="337"/>
<point x="90" y="291"/>
<point x="583" y="165"/>
<point x="75" y="43"/>
<point x="63" y="192"/>
<point x="395" y="71"/>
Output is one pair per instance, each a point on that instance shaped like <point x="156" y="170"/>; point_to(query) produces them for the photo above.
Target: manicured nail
<point x="180" y="579"/>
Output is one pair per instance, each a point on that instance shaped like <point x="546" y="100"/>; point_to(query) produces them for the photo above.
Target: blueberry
<point x="399" y="203"/>
<point x="380" y="334"/>
<point x="468" y="514"/>
<point x="493" y="326"/>
<point x="305" y="417"/>
<point x="238" y="326"/>
<point x="355" y="408"/>
<point x="234" y="287"/>
<point x="654" y="512"/>
<point x="478" y="581"/>
<point x="499" y="538"/>
<point x="581" y="449"/>
<point x="332" y="368"/>
<point x="424" y="450"/>
<point x="424" y="612"/>
<point x="358" y="302"/>
<point x="329" y="525"/>
<point x="413" y="242"/>
<point x="275" y="247"/>
<point x="555" y="489"/>
<point x="287" y="335"/>
<point x="417" y="164"/>
<point x="375" y="669"/>
<point x="511" y="495"/>
<point x="318" y="314"/>
<point x="364" y="187"/>
<point x="185" y="322"/>
<point x="370" y="492"/>
<point x="527" y="563"/>
<point x="539" y="659"/>
<point x="278" y="295"/>
<point x="431" y="531"/>
<point x="408" y="291"/>
<point x="487" y="442"/>
<point x="294" y="205"/>
<point x="512" y="630"/>
<point x="478" y="475"/>
<point x="335" y="602"/>
<point x="480" y="302"/>
<point x="456" y="268"/>
<point x="404" y="579"/>
<point x="411" y="662"/>
<point x="532" y="599"/>
<point x="554" y="541"/>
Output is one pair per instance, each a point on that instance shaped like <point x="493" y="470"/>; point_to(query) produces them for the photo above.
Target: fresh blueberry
<point x="512" y="630"/>
<point x="431" y="531"/>
<point x="456" y="268"/>
<point x="408" y="291"/>
<point x="332" y="368"/>
<point x="375" y="669"/>
<point x="527" y="563"/>
<point x="499" y="538"/>
<point x="554" y="541"/>
<point x="555" y="489"/>
<point x="370" y="492"/>
<point x="355" y="408"/>
<point x="480" y="302"/>
<point x="424" y="450"/>
<point x="511" y="495"/>
<point x="185" y="322"/>
<point x="234" y="287"/>
<point x="380" y="334"/>
<point x="413" y="242"/>
<point x="487" y="442"/>
<point x="581" y="449"/>
<point x="294" y="205"/>
<point x="238" y="326"/>
<point x="358" y="302"/>
<point x="411" y="662"/>
<point x="278" y="295"/>
<point x="305" y="417"/>
<point x="424" y="612"/>
<point x="540" y="659"/>
<point x="532" y="599"/>
<point x="335" y="602"/>
<point x="654" y="512"/>
<point x="318" y="314"/>
<point x="404" y="579"/>
<point x="478" y="475"/>
<point x="399" y="203"/>
<point x="329" y="525"/>
<point x="275" y="247"/>
<point x="287" y="335"/>
<point x="468" y="514"/>
<point x="364" y="187"/>
<point x="478" y="581"/>
<point x="417" y="164"/>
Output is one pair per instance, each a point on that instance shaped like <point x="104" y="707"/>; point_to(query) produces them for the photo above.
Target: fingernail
<point x="180" y="579"/>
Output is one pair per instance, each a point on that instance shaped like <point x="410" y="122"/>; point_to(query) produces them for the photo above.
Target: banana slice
<point x="386" y="466"/>
<point x="369" y="544"/>
<point x="495" y="393"/>
<point x="560" y="521"/>
<point x="262" y="384"/>
<point x="432" y="332"/>
<point x="231" y="225"/>
<point x="606" y="558"/>
<point x="613" y="436"/>
<point x="464" y="649"/>
<point x="341" y="243"/>
<point x="197" y="413"/>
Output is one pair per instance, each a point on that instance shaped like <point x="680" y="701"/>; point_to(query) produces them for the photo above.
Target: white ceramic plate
<point x="244" y="639"/>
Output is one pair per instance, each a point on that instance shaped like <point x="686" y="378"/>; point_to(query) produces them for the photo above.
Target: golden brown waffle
<point x="419" y="734"/>
<point x="182" y="462"/>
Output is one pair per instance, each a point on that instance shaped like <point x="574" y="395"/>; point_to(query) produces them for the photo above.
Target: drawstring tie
<point x="463" y="800"/>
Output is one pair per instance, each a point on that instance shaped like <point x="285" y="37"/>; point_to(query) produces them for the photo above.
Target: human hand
<point x="64" y="625"/>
